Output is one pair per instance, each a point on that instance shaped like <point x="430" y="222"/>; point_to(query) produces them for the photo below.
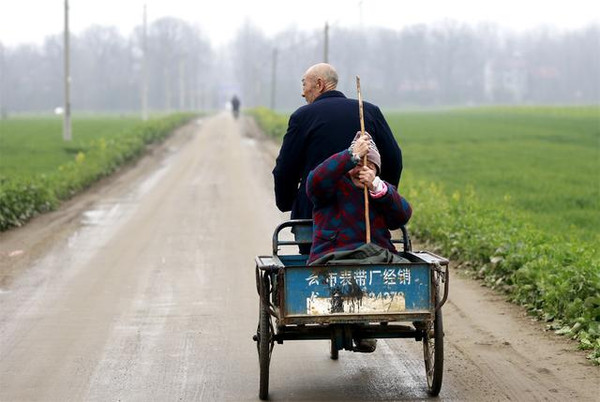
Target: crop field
<point x="34" y="145"/>
<point x="38" y="169"/>
<point x="513" y="195"/>
<point x="541" y="163"/>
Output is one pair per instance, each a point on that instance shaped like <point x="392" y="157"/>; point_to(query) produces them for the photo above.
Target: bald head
<point x="318" y="79"/>
<point x="326" y="72"/>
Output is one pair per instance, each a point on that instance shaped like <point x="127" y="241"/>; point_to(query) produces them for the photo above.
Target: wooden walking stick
<point x="362" y="132"/>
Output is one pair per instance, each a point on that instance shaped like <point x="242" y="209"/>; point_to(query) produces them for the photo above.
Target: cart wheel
<point x="433" y="350"/>
<point x="265" y="346"/>
<point x="334" y="350"/>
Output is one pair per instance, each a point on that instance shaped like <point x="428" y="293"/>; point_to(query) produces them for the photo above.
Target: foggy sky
<point x="32" y="20"/>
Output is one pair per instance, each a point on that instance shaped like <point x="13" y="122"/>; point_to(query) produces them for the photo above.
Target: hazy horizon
<point x="221" y="20"/>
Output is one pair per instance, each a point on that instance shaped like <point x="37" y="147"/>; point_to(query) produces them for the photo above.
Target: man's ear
<point x="321" y="85"/>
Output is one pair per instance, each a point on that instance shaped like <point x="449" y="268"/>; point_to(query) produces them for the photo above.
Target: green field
<point x="543" y="163"/>
<point x="33" y="145"/>
<point x="512" y="196"/>
<point x="38" y="169"/>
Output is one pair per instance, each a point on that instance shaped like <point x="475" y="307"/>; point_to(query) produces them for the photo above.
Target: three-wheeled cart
<point x="349" y="302"/>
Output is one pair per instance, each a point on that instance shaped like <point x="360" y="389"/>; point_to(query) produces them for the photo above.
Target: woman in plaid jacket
<point x="336" y="188"/>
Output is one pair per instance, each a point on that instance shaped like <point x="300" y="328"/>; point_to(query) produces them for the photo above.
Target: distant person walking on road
<point x="323" y="127"/>
<point x="235" y="106"/>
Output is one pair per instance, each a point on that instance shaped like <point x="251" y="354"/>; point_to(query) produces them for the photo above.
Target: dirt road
<point x="143" y="289"/>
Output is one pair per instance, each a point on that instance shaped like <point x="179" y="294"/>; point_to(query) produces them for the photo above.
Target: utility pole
<point x="3" y="97"/>
<point x="273" y="78"/>
<point x="326" y="44"/>
<point x="181" y="83"/>
<point x="167" y="76"/>
<point x="67" y="111"/>
<point x="145" y="68"/>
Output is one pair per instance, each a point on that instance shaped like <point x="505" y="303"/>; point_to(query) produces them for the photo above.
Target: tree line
<point x="444" y="64"/>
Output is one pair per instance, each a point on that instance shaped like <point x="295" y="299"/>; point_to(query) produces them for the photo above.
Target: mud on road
<point x="143" y="288"/>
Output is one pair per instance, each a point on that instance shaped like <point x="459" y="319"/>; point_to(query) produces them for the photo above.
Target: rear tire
<point x="334" y="350"/>
<point x="433" y="351"/>
<point x="264" y="351"/>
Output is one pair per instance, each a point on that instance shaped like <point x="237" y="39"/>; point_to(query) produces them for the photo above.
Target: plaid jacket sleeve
<point x="321" y="181"/>
<point x="397" y="210"/>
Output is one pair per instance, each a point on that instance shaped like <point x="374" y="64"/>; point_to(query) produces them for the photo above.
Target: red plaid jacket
<point x="339" y="210"/>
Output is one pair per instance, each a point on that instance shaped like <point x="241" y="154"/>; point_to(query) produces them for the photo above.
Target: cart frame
<point x="281" y="282"/>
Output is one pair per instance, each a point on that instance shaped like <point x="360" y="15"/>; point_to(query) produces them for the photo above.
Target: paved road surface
<point x="143" y="289"/>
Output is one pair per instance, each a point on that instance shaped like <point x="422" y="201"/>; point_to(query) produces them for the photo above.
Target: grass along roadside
<point x="499" y="190"/>
<point x="555" y="279"/>
<point x="33" y="183"/>
<point x="31" y="145"/>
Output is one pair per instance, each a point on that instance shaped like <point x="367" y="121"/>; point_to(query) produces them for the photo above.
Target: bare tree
<point x="443" y="64"/>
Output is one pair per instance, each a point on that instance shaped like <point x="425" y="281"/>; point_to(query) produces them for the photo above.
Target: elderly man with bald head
<point x="325" y="126"/>
<point x="318" y="79"/>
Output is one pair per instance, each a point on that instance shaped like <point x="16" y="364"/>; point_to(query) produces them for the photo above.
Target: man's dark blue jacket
<point x="320" y="129"/>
